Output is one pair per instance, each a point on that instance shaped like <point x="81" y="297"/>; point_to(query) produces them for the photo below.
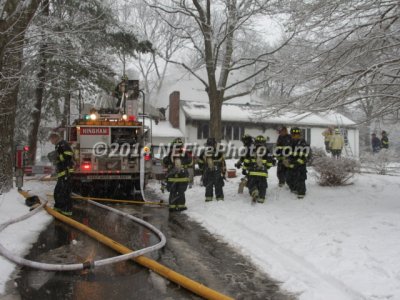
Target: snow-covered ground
<point x="20" y="236"/>
<point x="337" y="243"/>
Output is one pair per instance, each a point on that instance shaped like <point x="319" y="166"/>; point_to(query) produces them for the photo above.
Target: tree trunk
<point x="215" y="115"/>
<point x="37" y="112"/>
<point x="66" y="110"/>
<point x="39" y="93"/>
<point x="7" y="147"/>
<point x="11" y="53"/>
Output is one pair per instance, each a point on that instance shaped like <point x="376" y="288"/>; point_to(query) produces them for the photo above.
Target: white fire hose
<point x="73" y="267"/>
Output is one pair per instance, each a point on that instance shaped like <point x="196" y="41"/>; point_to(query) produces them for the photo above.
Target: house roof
<point x="163" y="129"/>
<point x="260" y="115"/>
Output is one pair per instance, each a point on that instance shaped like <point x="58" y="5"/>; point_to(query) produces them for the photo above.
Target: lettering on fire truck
<point x="94" y="130"/>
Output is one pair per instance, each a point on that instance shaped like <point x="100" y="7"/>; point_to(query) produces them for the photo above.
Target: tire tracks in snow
<point x="327" y="288"/>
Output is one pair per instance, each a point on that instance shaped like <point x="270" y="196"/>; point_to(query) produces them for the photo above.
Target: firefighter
<point x="260" y="162"/>
<point x="177" y="163"/>
<point x="212" y="165"/>
<point x="375" y="143"/>
<point x="244" y="160"/>
<point x="121" y="89"/>
<point x="296" y="163"/>
<point x="384" y="140"/>
<point x="281" y="151"/>
<point x="327" y="138"/>
<point x="63" y="159"/>
<point x="336" y="144"/>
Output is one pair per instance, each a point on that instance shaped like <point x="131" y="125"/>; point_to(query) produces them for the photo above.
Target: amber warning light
<point x="147" y="155"/>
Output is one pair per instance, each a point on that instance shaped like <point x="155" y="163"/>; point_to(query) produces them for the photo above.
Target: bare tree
<point x="353" y="55"/>
<point x="15" y="17"/>
<point x="216" y="29"/>
<point x="165" y="43"/>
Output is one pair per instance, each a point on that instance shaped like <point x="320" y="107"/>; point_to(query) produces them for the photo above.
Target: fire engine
<point x="110" y="150"/>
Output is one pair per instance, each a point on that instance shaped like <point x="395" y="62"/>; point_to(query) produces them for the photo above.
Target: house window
<point x="232" y="132"/>
<point x="203" y="131"/>
<point x="228" y="133"/>
<point x="345" y="134"/>
<point x="236" y="132"/>
<point x="306" y="134"/>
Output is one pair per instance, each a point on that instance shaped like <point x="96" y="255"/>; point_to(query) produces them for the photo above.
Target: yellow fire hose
<point x="160" y="269"/>
<point x="114" y="200"/>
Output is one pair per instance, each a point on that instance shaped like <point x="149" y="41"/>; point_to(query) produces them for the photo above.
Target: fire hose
<point x="137" y="256"/>
<point x="89" y="264"/>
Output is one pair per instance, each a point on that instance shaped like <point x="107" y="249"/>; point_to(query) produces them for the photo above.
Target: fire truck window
<point x="123" y="135"/>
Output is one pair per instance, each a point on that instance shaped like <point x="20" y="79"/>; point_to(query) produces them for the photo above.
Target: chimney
<point x="174" y="99"/>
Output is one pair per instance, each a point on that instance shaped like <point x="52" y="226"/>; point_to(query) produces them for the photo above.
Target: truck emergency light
<point x="86" y="166"/>
<point x="146" y="151"/>
<point x="26" y="148"/>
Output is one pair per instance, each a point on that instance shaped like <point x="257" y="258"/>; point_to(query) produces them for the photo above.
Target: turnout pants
<point x="297" y="179"/>
<point x="281" y="172"/>
<point x="62" y="194"/>
<point x="258" y="183"/>
<point x="212" y="179"/>
<point x="177" y="193"/>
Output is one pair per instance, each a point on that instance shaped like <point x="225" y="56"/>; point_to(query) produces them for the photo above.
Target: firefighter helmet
<point x="177" y="142"/>
<point x="260" y="140"/>
<point x="247" y="139"/>
<point x="211" y="142"/>
<point x="295" y="130"/>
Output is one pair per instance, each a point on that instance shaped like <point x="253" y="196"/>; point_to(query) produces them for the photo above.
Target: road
<point x="190" y="250"/>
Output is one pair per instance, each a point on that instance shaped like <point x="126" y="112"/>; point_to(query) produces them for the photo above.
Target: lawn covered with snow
<point x="335" y="244"/>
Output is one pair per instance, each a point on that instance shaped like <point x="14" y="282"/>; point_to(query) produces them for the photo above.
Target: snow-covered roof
<point x="257" y="114"/>
<point x="163" y="129"/>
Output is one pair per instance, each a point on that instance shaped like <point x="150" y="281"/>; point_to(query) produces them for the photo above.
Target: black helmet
<point x="247" y="139"/>
<point x="211" y="142"/>
<point x="177" y="142"/>
<point x="260" y="140"/>
<point x="295" y="130"/>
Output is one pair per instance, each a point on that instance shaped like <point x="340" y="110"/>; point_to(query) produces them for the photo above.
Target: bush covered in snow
<point x="334" y="172"/>
<point x="381" y="163"/>
<point x="315" y="154"/>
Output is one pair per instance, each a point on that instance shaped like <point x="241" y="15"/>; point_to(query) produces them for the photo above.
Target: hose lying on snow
<point x="183" y="281"/>
<point x="90" y="264"/>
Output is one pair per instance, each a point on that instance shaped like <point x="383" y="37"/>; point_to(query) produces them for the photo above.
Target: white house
<point x="190" y="119"/>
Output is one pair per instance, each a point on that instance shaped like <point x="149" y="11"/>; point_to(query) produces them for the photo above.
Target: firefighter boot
<point x="254" y="195"/>
<point x="242" y="184"/>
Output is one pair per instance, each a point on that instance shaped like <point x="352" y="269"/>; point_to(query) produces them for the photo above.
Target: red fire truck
<point x="110" y="150"/>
